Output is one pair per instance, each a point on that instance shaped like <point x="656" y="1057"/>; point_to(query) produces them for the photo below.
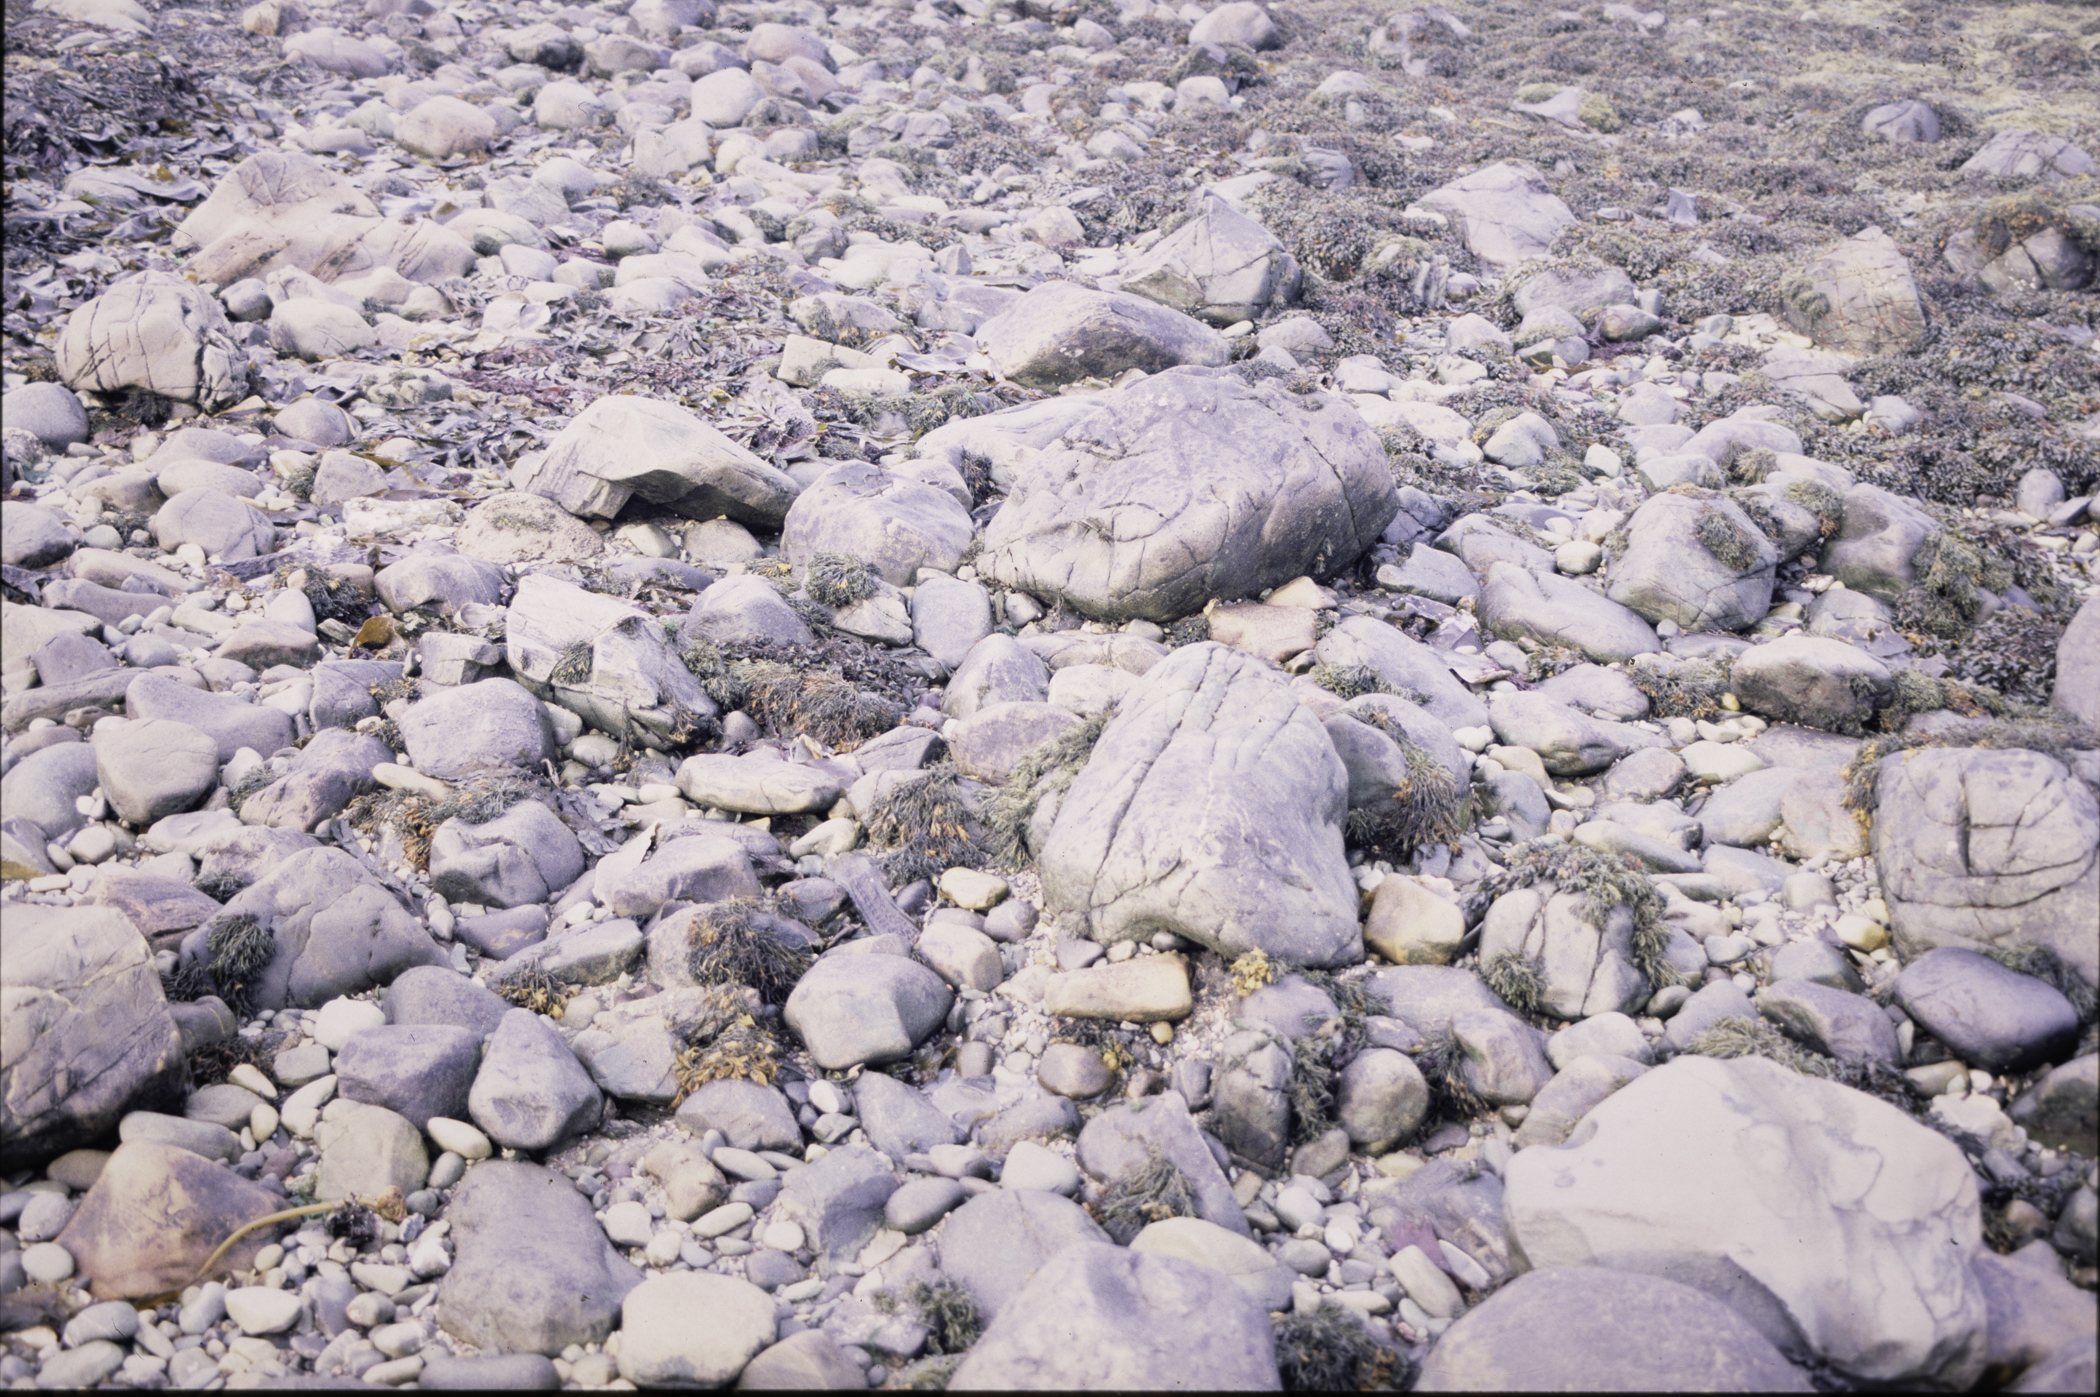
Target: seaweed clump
<point x="1351" y="681"/>
<point x="1252" y="971"/>
<point x="744" y="1050"/>
<point x="536" y="990"/>
<point x="949" y="1313"/>
<point x="1048" y="768"/>
<point x="1731" y="544"/>
<point x="1153" y="1192"/>
<point x="838" y="581"/>
<point x="2014" y="652"/>
<point x="1736" y="1037"/>
<point x="1329" y="1350"/>
<point x="1682" y="688"/>
<point x="415" y="817"/>
<point x="1442" y="1062"/>
<point x="1515" y="980"/>
<point x="238" y="947"/>
<point x="737" y="942"/>
<point x="1945" y="600"/>
<point x="1607" y="883"/>
<point x="1424" y="809"/>
<point x="833" y="710"/>
<point x="924" y="827"/>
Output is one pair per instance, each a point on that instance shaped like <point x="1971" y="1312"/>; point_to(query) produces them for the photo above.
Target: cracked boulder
<point x="623" y="447"/>
<point x="1699" y="562"/>
<point x="1211" y="807"/>
<point x="1189" y="486"/>
<point x="1982" y="847"/>
<point x="156" y="332"/>
<point x="1582" y="968"/>
<point x="1858" y="297"/>
<point x="607" y="661"/>
<point x="1220" y="266"/>
<point x="1839" y="1227"/>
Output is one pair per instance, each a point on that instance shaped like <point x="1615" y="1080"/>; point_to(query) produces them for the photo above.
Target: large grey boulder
<point x="1811" y="680"/>
<point x="1977" y="846"/>
<point x="1220" y="265"/>
<point x="224" y="526"/>
<point x="894" y="524"/>
<point x="1699" y="562"/>
<point x="1596" y="1329"/>
<point x="1189" y="486"/>
<point x="623" y="447"/>
<point x="1835" y="1224"/>
<point x="868" y="1008"/>
<point x="1406" y="664"/>
<point x="993" y="1244"/>
<point x="44" y="786"/>
<point x="1879" y="534"/>
<point x="2019" y="153"/>
<point x="1212" y="807"/>
<point x="1519" y="603"/>
<point x="1858" y="297"/>
<point x="32" y="536"/>
<point x="335" y="930"/>
<point x="744" y="611"/>
<point x="487" y="726"/>
<point x="414" y="1070"/>
<point x="1062" y="332"/>
<point x="2078" y="666"/>
<point x="660" y="1346"/>
<point x="1100" y="1317"/>
<point x="605" y="660"/>
<point x="89" y="1035"/>
<point x="1584" y="968"/>
<point x="1569" y="741"/>
<point x="446" y="581"/>
<point x="157" y="332"/>
<point x="839" y="1200"/>
<point x="1505" y="212"/>
<point x="530" y="1092"/>
<point x="529" y="1289"/>
<point x="154" y="768"/>
<point x="525" y="855"/>
<point x="1986" y="1013"/>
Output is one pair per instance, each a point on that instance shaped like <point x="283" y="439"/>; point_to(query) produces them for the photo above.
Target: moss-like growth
<point x="572" y="667"/>
<point x="1598" y="113"/>
<point x="1731" y="544"/>
<point x="925" y="827"/>
<point x="1048" y="768"/>
<point x="1606" y="883"/>
<point x="1424" y="810"/>
<point x="1533" y="93"/>
<point x="536" y="990"/>
<point x="2014" y="652"/>
<point x="1945" y="600"/>
<point x="1820" y="500"/>
<point x="707" y="664"/>
<point x="1683" y="688"/>
<point x="1153" y="1192"/>
<point x="1252" y="971"/>
<point x="212" y="1063"/>
<point x="830" y="709"/>
<point x="221" y="887"/>
<point x="1329" y="1350"/>
<point x="949" y="1313"/>
<point x="734" y="942"/>
<point x="415" y="817"/>
<point x="1312" y="1086"/>
<point x="1189" y="630"/>
<point x="1442" y="1063"/>
<point x="926" y="1374"/>
<point x="1747" y="1037"/>
<point x="837" y="581"/>
<point x="238" y="947"/>
<point x="1349" y="681"/>
<point x="1516" y="981"/>
<point x="742" y="1051"/>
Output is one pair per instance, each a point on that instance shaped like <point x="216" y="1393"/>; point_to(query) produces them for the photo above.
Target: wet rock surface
<point x="1061" y="695"/>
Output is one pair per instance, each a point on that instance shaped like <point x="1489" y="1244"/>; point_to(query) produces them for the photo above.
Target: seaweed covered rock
<point x="1573" y="962"/>
<point x="1812" y="680"/>
<point x="1700" y="563"/>
<point x="1220" y="266"/>
<point x="1878" y="536"/>
<point x="1989" y="848"/>
<point x="1859" y="296"/>
<point x="1189" y="486"/>
<point x="1211" y="807"/>
<point x="1837" y="1226"/>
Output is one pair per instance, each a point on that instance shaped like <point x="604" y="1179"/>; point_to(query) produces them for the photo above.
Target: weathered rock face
<point x="1845" y="1233"/>
<point x="88" y="1034"/>
<point x="1060" y="333"/>
<point x="607" y="661"/>
<point x="1178" y="822"/>
<point x="1584" y="968"/>
<point x="154" y="332"/>
<point x="1220" y="266"/>
<point x="621" y="448"/>
<point x="1186" y="487"/>
<point x="1700" y="563"/>
<point x="1997" y="848"/>
<point x="894" y="524"/>
<point x="155" y="1213"/>
<point x="1859" y="296"/>
<point x="534" y="1289"/>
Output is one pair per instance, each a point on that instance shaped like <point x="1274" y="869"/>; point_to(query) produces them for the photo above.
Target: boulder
<point x="535" y="1289"/>
<point x="607" y="661"/>
<point x="623" y="447"/>
<point x="1596" y="1329"/>
<point x="155" y="768"/>
<point x="1220" y="265"/>
<point x="1098" y="1317"/>
<point x="530" y="1092"/>
<point x="1988" y="1015"/>
<point x="2077" y="689"/>
<point x="1061" y="332"/>
<point x="1404" y="663"/>
<point x="333" y="769"/>
<point x="89" y="1035"/>
<point x="1212" y="807"/>
<point x="1701" y="563"/>
<point x="1811" y="680"/>
<point x="1185" y="487"/>
<point x="1505" y="212"/>
<point x="1837" y="1226"/>
<point x="477" y="728"/>
<point x="1519" y="603"/>
<point x="894" y="524"/>
<point x="660" y="1346"/>
<point x="1858" y="297"/>
<point x="997" y="1241"/>
<point x="157" y="332"/>
<point x="333" y="930"/>
<point x="1583" y="968"/>
<point x="1990" y="847"/>
<point x="152" y="1216"/>
<point x="525" y="855"/>
<point x="873" y="1008"/>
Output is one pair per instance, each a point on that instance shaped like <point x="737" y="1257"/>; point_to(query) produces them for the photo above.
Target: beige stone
<point x="1145" y="989"/>
<point x="1410" y="925"/>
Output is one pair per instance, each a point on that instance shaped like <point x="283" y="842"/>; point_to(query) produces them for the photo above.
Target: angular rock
<point x="1219" y="266"/>
<point x="1811" y="680"/>
<point x="154" y="1214"/>
<point x="1700" y="563"/>
<point x="866" y="1009"/>
<point x="1989" y="1015"/>
<point x="1518" y="603"/>
<point x="1175" y="825"/>
<point x="1858" y="297"/>
<point x="336" y="930"/>
<point x="530" y="1091"/>
<point x="1061" y="332"/>
<point x="622" y="447"/>
<point x="533" y="1289"/>
<point x="476" y="728"/>
<point x="1505" y="212"/>
<point x="994" y="1244"/>
<point x="156" y="332"/>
